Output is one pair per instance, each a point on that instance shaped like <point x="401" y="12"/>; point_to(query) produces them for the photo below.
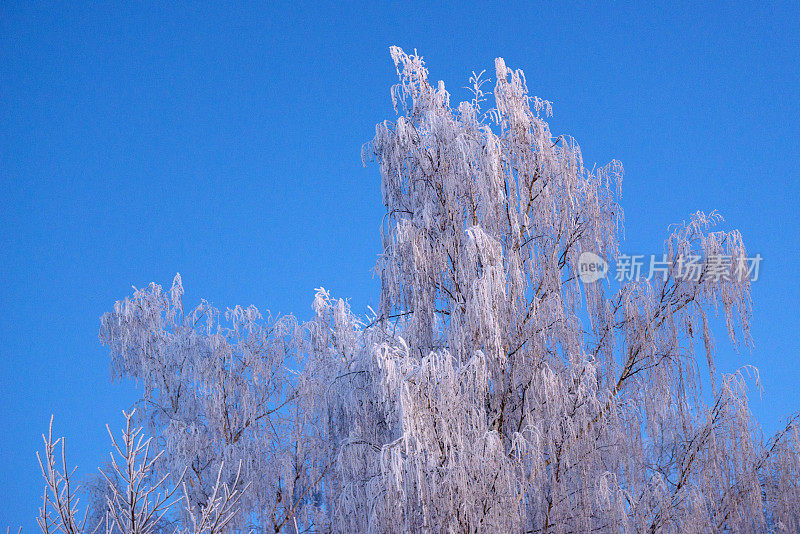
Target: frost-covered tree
<point x="493" y="390"/>
<point x="496" y="392"/>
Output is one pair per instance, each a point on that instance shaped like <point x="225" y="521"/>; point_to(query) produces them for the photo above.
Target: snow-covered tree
<point x="496" y="392"/>
<point x="493" y="390"/>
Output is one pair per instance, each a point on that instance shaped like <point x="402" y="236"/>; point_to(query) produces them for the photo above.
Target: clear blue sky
<point x="136" y="142"/>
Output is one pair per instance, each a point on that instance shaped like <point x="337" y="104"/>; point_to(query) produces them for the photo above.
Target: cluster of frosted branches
<point x="220" y="508"/>
<point x="493" y="390"/>
<point x="59" y="510"/>
<point x="136" y="502"/>
<point x="136" y="499"/>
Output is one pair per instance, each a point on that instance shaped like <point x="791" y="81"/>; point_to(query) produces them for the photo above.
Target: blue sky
<point x="224" y="144"/>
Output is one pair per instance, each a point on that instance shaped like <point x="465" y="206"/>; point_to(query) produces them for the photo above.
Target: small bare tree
<point x="142" y="501"/>
<point x="59" y="510"/>
<point x="137" y="499"/>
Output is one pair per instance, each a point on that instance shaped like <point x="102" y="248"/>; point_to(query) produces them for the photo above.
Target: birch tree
<point x="496" y="392"/>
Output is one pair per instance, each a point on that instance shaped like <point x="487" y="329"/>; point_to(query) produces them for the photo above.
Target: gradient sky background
<point x="224" y="144"/>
